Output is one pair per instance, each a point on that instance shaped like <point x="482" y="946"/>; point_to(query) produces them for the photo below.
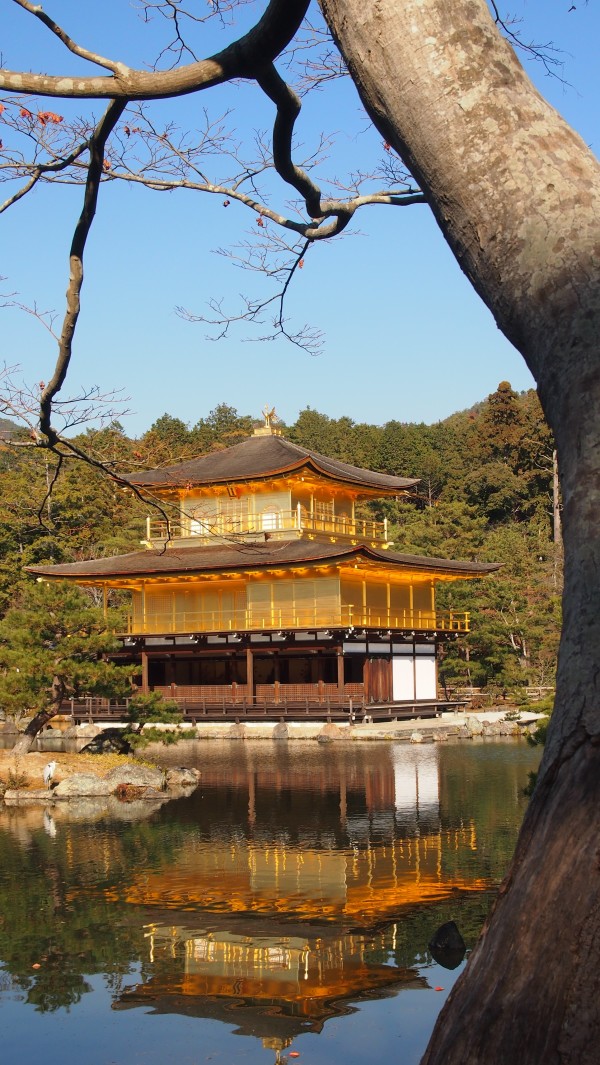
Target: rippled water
<point x="287" y="906"/>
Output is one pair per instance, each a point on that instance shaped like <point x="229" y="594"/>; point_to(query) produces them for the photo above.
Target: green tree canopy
<point x="53" y="645"/>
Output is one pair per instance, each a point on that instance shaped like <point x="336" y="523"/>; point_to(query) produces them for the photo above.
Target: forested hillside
<point x="487" y="492"/>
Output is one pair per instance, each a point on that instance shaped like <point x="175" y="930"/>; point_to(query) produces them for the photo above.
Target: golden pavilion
<point x="262" y="589"/>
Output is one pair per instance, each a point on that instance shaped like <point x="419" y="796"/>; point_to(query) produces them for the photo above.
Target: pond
<point x="285" y="908"/>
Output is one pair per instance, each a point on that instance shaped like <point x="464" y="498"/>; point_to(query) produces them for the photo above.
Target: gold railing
<point x="282" y="619"/>
<point x="298" y="520"/>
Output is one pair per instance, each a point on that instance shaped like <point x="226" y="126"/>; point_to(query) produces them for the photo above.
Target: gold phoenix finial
<point x="269" y="415"/>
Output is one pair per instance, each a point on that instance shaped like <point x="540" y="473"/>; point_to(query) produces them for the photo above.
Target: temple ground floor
<point x="285" y="674"/>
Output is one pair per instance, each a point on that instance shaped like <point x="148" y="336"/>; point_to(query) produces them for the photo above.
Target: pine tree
<point x="53" y="646"/>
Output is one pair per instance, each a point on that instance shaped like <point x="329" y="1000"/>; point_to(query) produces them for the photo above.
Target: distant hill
<point x="8" y="428"/>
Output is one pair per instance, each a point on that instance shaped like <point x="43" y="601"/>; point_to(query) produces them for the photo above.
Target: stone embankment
<point x="446" y="727"/>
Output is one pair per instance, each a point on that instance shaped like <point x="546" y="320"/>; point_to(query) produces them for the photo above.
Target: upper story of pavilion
<point x="266" y="488"/>
<point x="264" y="536"/>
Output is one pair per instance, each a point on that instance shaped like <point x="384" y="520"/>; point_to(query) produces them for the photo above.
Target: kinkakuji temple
<point x="260" y="589"/>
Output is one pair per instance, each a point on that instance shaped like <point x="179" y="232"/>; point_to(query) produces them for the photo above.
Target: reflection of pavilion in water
<point x="275" y="932"/>
<point x="272" y="983"/>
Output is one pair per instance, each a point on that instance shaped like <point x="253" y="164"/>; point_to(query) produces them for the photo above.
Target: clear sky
<point x="405" y="337"/>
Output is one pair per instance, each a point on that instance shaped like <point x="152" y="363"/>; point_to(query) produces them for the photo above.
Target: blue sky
<point x="405" y="336"/>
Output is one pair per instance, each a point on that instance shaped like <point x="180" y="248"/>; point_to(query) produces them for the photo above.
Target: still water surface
<point x="287" y="906"/>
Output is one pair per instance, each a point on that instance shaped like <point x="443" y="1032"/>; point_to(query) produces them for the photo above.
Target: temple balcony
<point x="289" y="619"/>
<point x="284" y="524"/>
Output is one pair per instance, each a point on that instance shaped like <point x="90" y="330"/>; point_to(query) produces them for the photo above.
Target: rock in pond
<point x="474" y="726"/>
<point x="448" y="946"/>
<point x="110" y="741"/>
<point x="182" y="777"/>
<point x="138" y="776"/>
<point x="329" y="733"/>
<point x="82" y="785"/>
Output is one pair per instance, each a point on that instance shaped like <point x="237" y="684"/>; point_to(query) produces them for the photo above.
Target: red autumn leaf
<point x="106" y="164"/>
<point x="1" y="108"/>
<point x="387" y="147"/>
<point x="226" y="203"/>
<point x="439" y="988"/>
<point x="24" y="113"/>
<point x="260" y="222"/>
<point x="127" y="131"/>
<point x="49" y="116"/>
<point x="301" y="264"/>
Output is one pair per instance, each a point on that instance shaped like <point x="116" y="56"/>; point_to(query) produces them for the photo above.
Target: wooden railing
<point x="287" y="618"/>
<point x="297" y="520"/>
<point x="330" y="706"/>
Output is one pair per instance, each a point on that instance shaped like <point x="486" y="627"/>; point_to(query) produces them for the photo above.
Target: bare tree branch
<point x="83" y="53"/>
<point x="172" y="161"/>
<point x="43" y="170"/>
<point x="65" y="344"/>
<point x="51" y="483"/>
<point x="547" y="54"/>
<point x="262" y="44"/>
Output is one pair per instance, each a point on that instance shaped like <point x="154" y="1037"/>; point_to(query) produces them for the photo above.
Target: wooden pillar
<point x="105" y="599"/>
<point x="145" y="688"/>
<point x="250" y="673"/>
<point x="367" y="680"/>
<point x="340" y="671"/>
<point x="170" y="676"/>
<point x="276" y="677"/>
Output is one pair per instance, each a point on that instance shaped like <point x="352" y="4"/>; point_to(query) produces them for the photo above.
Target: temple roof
<point x="243" y="557"/>
<point x="262" y="457"/>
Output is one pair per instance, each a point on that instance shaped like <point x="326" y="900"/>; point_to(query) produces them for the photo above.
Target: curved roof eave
<point x="171" y="563"/>
<point x="261" y="458"/>
<point x="406" y="482"/>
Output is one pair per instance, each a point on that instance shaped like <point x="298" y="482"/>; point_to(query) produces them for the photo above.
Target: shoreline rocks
<point x="126" y="783"/>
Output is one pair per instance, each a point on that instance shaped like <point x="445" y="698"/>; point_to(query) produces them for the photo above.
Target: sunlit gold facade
<point x="265" y="580"/>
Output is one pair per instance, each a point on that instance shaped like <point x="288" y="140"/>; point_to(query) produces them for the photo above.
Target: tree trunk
<point x="517" y="196"/>
<point x="25" y="741"/>
<point x="556" y="522"/>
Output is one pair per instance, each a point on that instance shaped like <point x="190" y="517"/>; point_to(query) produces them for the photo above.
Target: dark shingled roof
<point x="227" y="557"/>
<point x="263" y="457"/>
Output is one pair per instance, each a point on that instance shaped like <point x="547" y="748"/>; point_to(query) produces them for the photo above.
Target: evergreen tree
<point x="53" y="645"/>
<point x="167" y="442"/>
<point x="223" y="427"/>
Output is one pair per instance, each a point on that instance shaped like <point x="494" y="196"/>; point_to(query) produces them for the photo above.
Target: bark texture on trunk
<point x="517" y="196"/>
<point x="529" y="994"/>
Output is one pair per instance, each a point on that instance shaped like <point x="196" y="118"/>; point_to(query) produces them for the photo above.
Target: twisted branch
<point x="261" y="44"/>
<point x="82" y="229"/>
